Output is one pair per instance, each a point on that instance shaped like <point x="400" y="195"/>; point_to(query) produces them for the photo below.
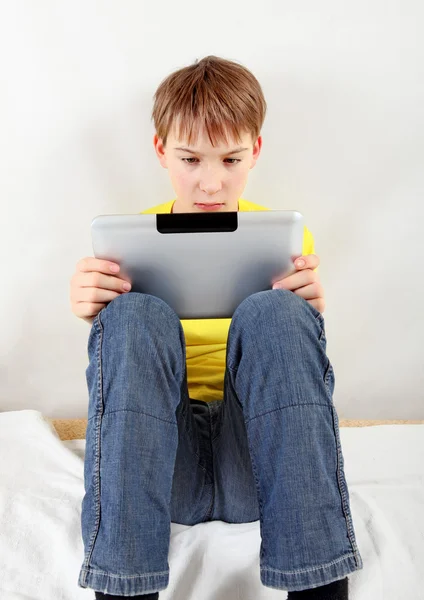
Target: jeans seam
<point x="211" y="505"/>
<point x="114" y="576"/>
<point x="99" y="415"/>
<point x="342" y="489"/>
<point x="194" y="453"/>
<point x="308" y="570"/>
<point x="289" y="406"/>
<point x="259" y="496"/>
<point x="184" y="410"/>
<point x="140" y="412"/>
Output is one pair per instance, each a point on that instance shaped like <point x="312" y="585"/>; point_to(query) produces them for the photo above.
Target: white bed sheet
<point x="41" y="550"/>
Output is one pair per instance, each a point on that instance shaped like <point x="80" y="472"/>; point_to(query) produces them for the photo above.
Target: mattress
<point x="42" y="487"/>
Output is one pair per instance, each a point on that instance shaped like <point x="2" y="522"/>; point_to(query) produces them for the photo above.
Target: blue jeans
<point x="269" y="451"/>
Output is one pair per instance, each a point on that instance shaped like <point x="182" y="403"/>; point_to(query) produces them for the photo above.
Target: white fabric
<point x="41" y="550"/>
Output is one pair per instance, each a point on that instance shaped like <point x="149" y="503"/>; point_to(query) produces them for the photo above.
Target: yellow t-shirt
<point x="206" y="339"/>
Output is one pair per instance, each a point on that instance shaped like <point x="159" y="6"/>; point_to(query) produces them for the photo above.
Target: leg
<point x="139" y="413"/>
<point x="278" y="404"/>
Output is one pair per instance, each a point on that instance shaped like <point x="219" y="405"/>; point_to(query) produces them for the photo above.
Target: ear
<point x="160" y="150"/>
<point x="256" y="151"/>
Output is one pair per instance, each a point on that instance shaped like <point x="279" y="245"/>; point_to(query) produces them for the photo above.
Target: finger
<point x="318" y="303"/>
<point x="94" y="279"/>
<point x="86" y="310"/>
<point x="292" y="282"/>
<point x="309" y="292"/>
<point x="297" y="280"/>
<point x="89" y="263"/>
<point x="96" y="296"/>
<point x="311" y="261"/>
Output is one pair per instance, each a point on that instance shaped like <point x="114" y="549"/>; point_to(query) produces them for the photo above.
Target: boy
<point x="223" y="419"/>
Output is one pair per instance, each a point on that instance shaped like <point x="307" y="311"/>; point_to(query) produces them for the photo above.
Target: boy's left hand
<point x="305" y="282"/>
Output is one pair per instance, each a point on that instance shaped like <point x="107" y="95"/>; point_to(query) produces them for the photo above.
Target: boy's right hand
<point x="93" y="285"/>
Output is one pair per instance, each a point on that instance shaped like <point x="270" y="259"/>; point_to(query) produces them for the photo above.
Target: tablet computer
<point x="203" y="265"/>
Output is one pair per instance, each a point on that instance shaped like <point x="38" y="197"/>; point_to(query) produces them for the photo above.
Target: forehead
<point x="203" y="142"/>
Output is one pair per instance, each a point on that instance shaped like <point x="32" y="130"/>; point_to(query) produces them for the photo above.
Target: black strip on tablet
<point x="196" y="222"/>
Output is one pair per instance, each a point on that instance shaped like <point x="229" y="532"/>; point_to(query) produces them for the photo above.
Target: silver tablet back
<point x="202" y="264"/>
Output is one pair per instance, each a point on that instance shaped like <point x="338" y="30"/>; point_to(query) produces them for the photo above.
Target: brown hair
<point x="221" y="95"/>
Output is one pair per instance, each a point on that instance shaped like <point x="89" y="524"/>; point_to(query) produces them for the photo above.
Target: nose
<point x="210" y="183"/>
<point x="210" y="187"/>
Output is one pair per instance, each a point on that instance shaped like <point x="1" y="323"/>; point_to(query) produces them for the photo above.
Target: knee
<point x="276" y="315"/>
<point x="133" y="307"/>
<point x="270" y="305"/>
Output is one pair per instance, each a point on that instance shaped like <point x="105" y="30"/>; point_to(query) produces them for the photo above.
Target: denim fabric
<point x="269" y="451"/>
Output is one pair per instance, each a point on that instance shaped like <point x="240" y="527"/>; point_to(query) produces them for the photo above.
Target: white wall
<point x="343" y="143"/>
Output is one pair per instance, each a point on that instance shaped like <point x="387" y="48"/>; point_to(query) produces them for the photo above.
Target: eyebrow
<point x="236" y="151"/>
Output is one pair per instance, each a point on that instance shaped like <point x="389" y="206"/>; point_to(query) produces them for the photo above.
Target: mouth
<point x="213" y="206"/>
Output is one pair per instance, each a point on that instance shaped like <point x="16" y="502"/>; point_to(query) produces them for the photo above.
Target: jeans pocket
<point x="93" y="371"/>
<point x="319" y="318"/>
<point x="322" y="337"/>
<point x="329" y="380"/>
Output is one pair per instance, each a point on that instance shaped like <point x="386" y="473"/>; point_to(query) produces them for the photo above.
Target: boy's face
<point x="207" y="175"/>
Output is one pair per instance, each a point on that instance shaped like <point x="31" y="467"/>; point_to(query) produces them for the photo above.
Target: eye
<point x="190" y="160"/>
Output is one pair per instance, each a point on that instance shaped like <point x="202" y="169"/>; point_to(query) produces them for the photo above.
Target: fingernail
<point x="300" y="263"/>
<point x="126" y="287"/>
